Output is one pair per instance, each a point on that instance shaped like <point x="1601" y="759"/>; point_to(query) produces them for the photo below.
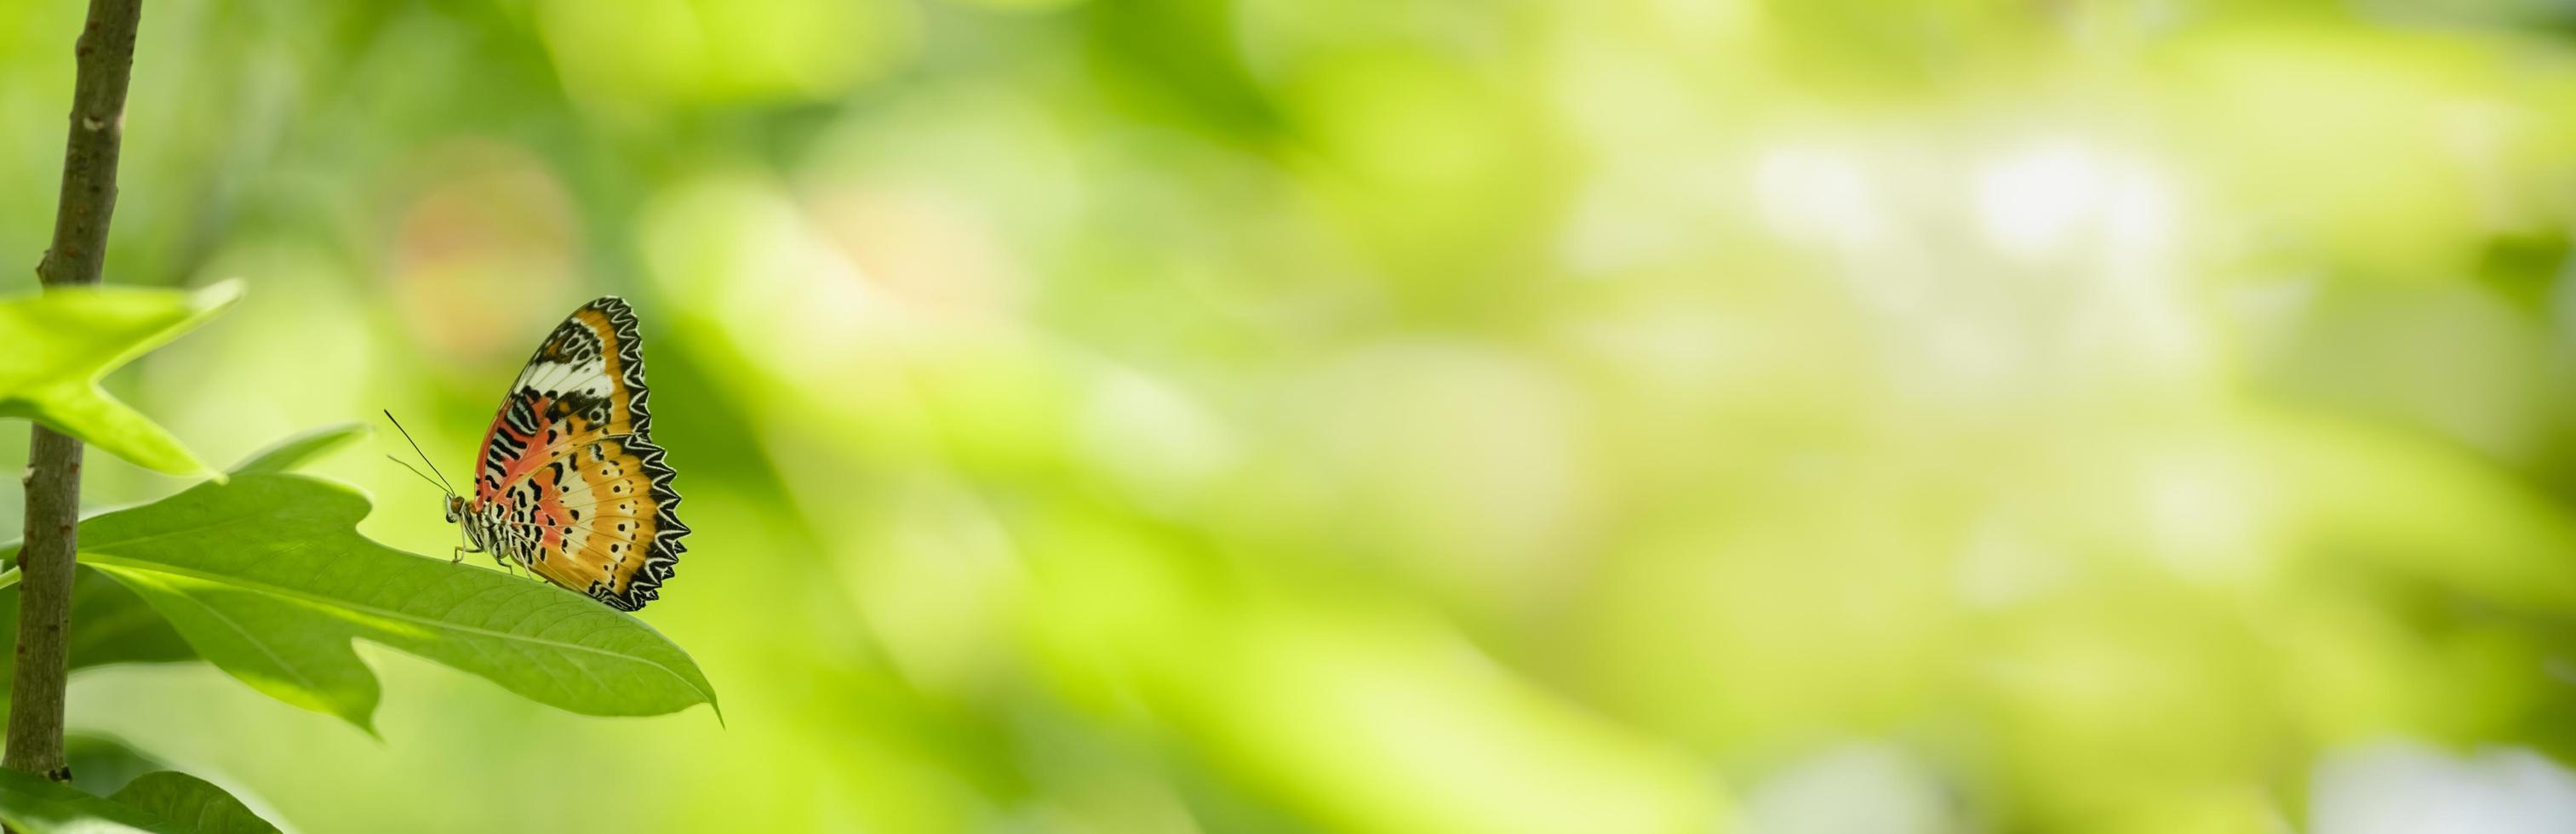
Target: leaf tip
<point x="218" y="295"/>
<point x="302" y="447"/>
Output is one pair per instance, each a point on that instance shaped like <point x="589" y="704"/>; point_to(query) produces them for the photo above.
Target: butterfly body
<point x="569" y="483"/>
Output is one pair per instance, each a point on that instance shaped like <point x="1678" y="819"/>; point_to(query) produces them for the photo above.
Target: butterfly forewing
<point x="570" y="484"/>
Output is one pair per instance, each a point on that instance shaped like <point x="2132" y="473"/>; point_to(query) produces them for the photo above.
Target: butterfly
<point x="569" y="483"/>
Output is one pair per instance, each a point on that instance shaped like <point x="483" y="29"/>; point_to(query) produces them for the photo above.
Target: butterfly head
<point x="455" y="508"/>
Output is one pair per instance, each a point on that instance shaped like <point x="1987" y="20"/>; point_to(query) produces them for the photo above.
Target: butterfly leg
<point x="464" y="546"/>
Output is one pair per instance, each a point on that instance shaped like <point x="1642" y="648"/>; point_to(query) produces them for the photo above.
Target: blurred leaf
<point x="266" y="576"/>
<point x="2523" y="268"/>
<point x="300" y="449"/>
<point x="62" y="341"/>
<point x="101" y="764"/>
<point x="32" y="804"/>
<point x="1171" y="58"/>
<point x="192" y="803"/>
<point x="109" y="625"/>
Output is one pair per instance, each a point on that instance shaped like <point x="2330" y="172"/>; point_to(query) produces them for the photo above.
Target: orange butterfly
<point x="570" y="484"/>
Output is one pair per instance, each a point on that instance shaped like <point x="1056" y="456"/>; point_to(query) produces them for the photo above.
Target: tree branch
<point x="105" y="56"/>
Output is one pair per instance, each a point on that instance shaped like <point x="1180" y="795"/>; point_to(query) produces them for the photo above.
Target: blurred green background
<point x="1809" y="416"/>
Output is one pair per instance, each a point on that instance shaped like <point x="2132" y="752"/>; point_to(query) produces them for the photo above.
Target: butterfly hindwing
<point x="570" y="483"/>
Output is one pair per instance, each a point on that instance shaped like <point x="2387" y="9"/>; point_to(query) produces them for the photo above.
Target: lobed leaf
<point x="266" y="576"/>
<point x="62" y="341"/>
<point x="109" y="623"/>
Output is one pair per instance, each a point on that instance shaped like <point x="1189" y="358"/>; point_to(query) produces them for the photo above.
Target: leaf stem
<point x="104" y="60"/>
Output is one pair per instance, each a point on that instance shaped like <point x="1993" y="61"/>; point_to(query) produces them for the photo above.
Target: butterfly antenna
<point x="424" y="456"/>
<point x="416" y="471"/>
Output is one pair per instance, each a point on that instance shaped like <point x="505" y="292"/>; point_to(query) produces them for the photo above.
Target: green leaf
<point x="62" y="341"/>
<point x="166" y="802"/>
<point x="267" y="577"/>
<point x="103" y="763"/>
<point x="109" y="623"/>
<point x="296" y="451"/>
<point x="33" y="804"/>
<point x="192" y="803"/>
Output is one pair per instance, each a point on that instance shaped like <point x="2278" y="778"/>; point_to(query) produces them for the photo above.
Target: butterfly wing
<point x="570" y="482"/>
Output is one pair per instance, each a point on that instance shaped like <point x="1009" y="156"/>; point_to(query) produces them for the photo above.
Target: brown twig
<point x="105" y="57"/>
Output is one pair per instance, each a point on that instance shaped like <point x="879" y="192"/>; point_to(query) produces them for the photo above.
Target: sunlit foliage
<point x="1418" y="415"/>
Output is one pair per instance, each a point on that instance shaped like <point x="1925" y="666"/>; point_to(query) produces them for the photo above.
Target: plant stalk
<point x="104" y="58"/>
